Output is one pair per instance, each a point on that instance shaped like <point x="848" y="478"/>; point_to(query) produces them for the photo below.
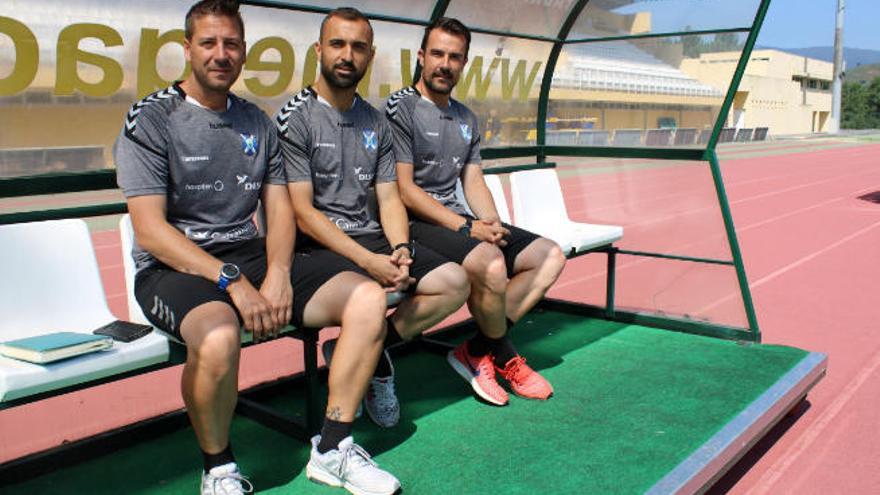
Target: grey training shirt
<point x="210" y="166"/>
<point x="438" y="142"/>
<point x="343" y="154"/>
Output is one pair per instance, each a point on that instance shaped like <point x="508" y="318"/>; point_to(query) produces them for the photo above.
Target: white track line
<point x="791" y="266"/>
<point x="739" y="230"/>
<point x="789" y="457"/>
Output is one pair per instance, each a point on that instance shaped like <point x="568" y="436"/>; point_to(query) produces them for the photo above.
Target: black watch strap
<point x="409" y="246"/>
<point x="465" y="228"/>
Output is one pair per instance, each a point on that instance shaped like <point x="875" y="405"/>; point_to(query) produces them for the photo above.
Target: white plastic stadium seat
<point x="126" y="238"/>
<point x="493" y="182"/>
<point x="57" y="287"/>
<point x="538" y="206"/>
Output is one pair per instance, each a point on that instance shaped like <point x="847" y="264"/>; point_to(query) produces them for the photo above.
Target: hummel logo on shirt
<point x="202" y="158"/>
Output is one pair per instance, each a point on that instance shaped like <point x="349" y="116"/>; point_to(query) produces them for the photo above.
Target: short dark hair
<point x="451" y="26"/>
<point x="347" y="13"/>
<point x="226" y="8"/>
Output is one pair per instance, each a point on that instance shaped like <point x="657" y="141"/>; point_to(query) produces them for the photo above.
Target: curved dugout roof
<point x="627" y="46"/>
<point x="643" y="79"/>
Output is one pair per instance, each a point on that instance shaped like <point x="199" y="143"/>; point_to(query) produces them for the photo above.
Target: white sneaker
<point x="381" y="400"/>
<point x="350" y="467"/>
<point x="225" y="480"/>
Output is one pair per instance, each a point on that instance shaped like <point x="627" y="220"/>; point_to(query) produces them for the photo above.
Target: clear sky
<point x="803" y="23"/>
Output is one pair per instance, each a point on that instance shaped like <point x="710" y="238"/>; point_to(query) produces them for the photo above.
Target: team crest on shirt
<point x="249" y="144"/>
<point x="371" y="141"/>
<point x="466" y="132"/>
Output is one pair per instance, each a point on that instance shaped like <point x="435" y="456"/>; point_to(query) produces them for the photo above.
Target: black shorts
<point x="166" y="295"/>
<point x="455" y="247"/>
<point x="314" y="265"/>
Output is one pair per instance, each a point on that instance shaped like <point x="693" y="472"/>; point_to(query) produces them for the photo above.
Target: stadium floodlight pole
<point x="837" y="82"/>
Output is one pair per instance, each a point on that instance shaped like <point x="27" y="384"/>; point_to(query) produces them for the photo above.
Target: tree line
<point x="861" y="105"/>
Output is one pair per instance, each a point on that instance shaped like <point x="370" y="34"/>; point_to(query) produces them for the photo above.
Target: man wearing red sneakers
<point x="436" y="143"/>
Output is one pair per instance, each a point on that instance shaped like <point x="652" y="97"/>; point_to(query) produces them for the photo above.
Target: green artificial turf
<point x="631" y="403"/>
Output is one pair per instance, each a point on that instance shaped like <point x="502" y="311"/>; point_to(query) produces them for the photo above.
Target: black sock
<point x="503" y="351"/>
<point x="214" y="460"/>
<point x="383" y="367"/>
<point x="332" y="433"/>
<point x="479" y="345"/>
<point x="392" y="336"/>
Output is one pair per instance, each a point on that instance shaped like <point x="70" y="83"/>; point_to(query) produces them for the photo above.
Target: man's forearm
<point x="426" y="207"/>
<point x="478" y="196"/>
<point x="280" y="228"/>
<point x="395" y="223"/>
<point x="171" y="247"/>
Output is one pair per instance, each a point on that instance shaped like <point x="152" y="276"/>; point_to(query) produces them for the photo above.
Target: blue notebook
<point x="54" y="346"/>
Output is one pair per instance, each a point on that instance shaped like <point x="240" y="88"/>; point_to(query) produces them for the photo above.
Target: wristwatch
<point x="229" y="273"/>
<point x="411" y="246"/>
<point x="465" y="228"/>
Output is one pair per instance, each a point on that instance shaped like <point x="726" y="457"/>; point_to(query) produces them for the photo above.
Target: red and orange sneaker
<point x="480" y="373"/>
<point x="524" y="381"/>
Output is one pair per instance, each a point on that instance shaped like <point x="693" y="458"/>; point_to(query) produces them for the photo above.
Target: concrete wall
<point x="775" y="90"/>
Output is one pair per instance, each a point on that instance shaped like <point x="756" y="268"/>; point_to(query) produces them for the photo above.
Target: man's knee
<point x="368" y="302"/>
<point x="217" y="350"/>
<point x="455" y="284"/>
<point x="550" y="262"/>
<point x="555" y="259"/>
<point x="485" y="266"/>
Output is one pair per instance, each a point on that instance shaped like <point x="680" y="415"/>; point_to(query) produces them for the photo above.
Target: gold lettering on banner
<point x="406" y="70"/>
<point x="364" y="85"/>
<point x="476" y="77"/>
<point x="69" y="55"/>
<point x="27" y="57"/>
<point x="148" y="78"/>
<point x="283" y="68"/>
<point x="509" y="83"/>
<point x="518" y="77"/>
<point x="310" y="68"/>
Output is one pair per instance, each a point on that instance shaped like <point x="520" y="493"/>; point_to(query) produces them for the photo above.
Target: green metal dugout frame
<point x="105" y="179"/>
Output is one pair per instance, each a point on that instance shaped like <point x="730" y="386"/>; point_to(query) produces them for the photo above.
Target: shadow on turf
<point x="171" y="463"/>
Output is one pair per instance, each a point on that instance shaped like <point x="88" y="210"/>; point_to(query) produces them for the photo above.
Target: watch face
<point x="230" y="271"/>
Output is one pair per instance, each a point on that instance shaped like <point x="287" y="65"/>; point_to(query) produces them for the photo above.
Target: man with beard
<point x="436" y="143"/>
<point x="193" y="161"/>
<point x="336" y="148"/>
